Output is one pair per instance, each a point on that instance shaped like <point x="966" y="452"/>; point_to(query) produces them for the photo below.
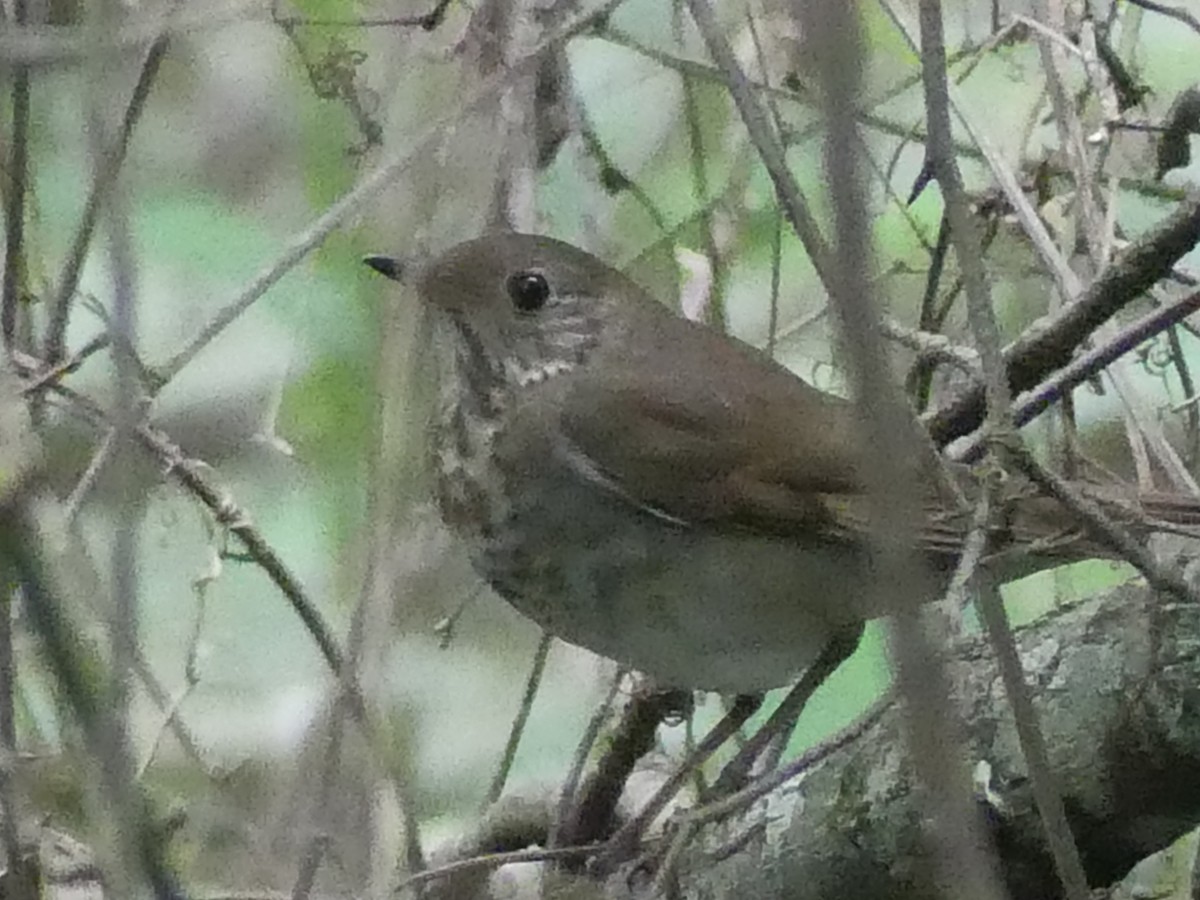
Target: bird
<point x="668" y="496"/>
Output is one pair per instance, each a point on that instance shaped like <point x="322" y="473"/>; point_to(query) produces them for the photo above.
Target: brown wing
<point x="727" y="437"/>
<point x="724" y="436"/>
<point x="730" y="438"/>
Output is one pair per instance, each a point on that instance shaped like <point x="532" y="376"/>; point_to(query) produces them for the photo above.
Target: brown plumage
<point x="667" y="495"/>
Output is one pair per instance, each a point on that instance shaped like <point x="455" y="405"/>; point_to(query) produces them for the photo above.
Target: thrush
<point x="666" y="495"/>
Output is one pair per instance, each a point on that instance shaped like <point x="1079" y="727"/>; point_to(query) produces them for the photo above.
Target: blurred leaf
<point x="327" y="413"/>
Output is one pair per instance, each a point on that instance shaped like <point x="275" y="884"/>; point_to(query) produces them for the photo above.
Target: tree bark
<point x="1116" y="680"/>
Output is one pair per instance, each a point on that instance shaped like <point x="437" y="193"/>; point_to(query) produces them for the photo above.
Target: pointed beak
<point x="387" y="266"/>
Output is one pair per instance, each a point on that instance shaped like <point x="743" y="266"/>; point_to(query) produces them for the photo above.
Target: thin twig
<point x="763" y="136"/>
<point x="613" y="179"/>
<point x="333" y="738"/>
<point x="447" y="627"/>
<point x="719" y="810"/>
<point x="1162" y="576"/>
<point x="714" y="308"/>
<point x="714" y="812"/>
<point x="367" y="190"/>
<point x="83" y="679"/>
<point x="932" y="346"/>
<point x="1058" y="386"/>
<point x="982" y="319"/>
<point x="231" y="516"/>
<point x="783" y="719"/>
<point x="1188" y="385"/>
<point x="363" y="22"/>
<point x="123" y="810"/>
<point x="170" y="709"/>
<point x="87" y="481"/>
<point x="974" y="546"/>
<point x="495" y="861"/>
<point x="1050" y="342"/>
<point x="532" y="683"/>
<point x="310" y="864"/>
<point x="776" y="266"/>
<point x="587" y="741"/>
<point x="228" y="514"/>
<point x="1046" y="792"/>
<point x="1057" y="38"/>
<point x="9" y="835"/>
<point x="376" y="594"/>
<point x="17" y="178"/>
<point x="428" y="21"/>
<point x="729" y="725"/>
<point x="962" y="232"/>
<point x="1177" y="13"/>
<point x="920" y="376"/>
<point x="48" y="45"/>
<point x="54" y="373"/>
<point x="107" y="168"/>
<point x="172" y="722"/>
<point x="777" y="229"/>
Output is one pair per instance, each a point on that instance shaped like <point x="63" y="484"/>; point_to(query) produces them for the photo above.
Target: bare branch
<point x="45" y="45"/>
<point x="427" y="21"/>
<point x="765" y="140"/>
<point x="14" y="195"/>
<point x="367" y="190"/>
<point x="1058" y="386"/>
<point x="987" y="337"/>
<point x="107" y="169"/>
<point x="1177" y="13"/>
<point x="532" y="683"/>
<point x="1050" y="342"/>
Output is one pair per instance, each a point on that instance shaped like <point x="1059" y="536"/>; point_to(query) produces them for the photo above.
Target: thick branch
<point x="1050" y="344"/>
<point x="1115" y="679"/>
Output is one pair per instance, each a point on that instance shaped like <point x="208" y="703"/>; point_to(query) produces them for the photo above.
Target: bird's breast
<point x="471" y="493"/>
<point x="693" y="607"/>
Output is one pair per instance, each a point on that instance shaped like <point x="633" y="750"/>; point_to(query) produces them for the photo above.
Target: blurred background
<point x="309" y="409"/>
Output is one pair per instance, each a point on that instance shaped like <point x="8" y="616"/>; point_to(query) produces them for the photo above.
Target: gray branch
<point x="1115" y="679"/>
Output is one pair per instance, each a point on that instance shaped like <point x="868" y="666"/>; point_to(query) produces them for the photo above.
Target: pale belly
<point x="693" y="608"/>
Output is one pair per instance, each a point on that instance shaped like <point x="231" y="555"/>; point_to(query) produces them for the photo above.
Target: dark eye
<point x="529" y="290"/>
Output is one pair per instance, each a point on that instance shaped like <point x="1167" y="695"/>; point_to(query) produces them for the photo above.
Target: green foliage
<point x="226" y="171"/>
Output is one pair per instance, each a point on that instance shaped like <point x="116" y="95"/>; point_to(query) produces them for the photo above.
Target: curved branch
<point x="1114" y="680"/>
<point x="1050" y="343"/>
